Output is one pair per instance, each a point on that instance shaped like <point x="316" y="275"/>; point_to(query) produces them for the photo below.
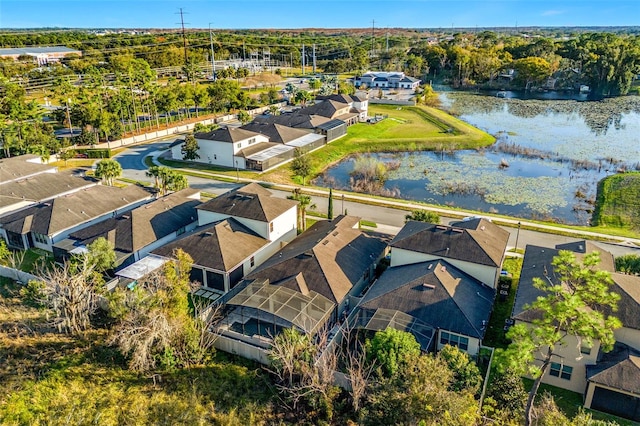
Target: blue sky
<point x="234" y="14"/>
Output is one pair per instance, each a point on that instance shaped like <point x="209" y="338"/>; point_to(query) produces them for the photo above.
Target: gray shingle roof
<point x="476" y="241"/>
<point x="618" y="369"/>
<point x="73" y="209"/>
<point x="41" y="187"/>
<point x="220" y="246"/>
<point x="146" y="224"/>
<point x="537" y="263"/>
<point x="297" y="120"/>
<point x="251" y="202"/>
<point x="226" y="134"/>
<point x="14" y="168"/>
<point x="331" y="255"/>
<point x="275" y="132"/>
<point x="327" y="108"/>
<point x="437" y="294"/>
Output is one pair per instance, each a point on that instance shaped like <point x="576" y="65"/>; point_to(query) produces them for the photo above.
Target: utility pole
<point x="314" y="58"/>
<point x="387" y="41"/>
<point x="373" y="36"/>
<point x="213" y="60"/>
<point x="184" y="37"/>
<point x="243" y="55"/>
<point x="303" y="59"/>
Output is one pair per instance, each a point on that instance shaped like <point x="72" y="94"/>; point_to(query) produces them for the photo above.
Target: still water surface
<point x="546" y="163"/>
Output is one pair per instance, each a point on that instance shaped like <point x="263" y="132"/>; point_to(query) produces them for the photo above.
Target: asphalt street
<point x="390" y="220"/>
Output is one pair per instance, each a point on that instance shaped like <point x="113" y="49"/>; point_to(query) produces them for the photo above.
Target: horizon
<point x="315" y="14"/>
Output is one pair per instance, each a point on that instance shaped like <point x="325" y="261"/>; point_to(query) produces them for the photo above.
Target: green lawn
<point x="405" y="129"/>
<point x="495" y="335"/>
<point x="571" y="402"/>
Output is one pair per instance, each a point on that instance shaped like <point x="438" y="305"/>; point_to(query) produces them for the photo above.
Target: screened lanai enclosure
<point x="258" y="311"/>
<point x="380" y="319"/>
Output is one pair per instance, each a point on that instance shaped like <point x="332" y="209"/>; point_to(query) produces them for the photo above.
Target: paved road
<point x="390" y="219"/>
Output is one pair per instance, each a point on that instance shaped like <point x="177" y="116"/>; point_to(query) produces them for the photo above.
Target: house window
<point x="181" y="230"/>
<point x="585" y="348"/>
<point x="252" y="261"/>
<point x="239" y="145"/>
<point x="562" y="371"/>
<point x="252" y="140"/>
<point x="39" y="238"/>
<point x="270" y="226"/>
<point x="454" y="340"/>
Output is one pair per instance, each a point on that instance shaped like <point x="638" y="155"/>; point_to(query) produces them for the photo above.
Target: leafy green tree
<point x="302" y="97"/>
<point x="628" y="264"/>
<point x="392" y="350"/>
<point x="423" y="216"/>
<point x="531" y="70"/>
<point x="506" y="396"/>
<point x="107" y="170"/>
<point x="101" y="254"/>
<point x="4" y="251"/>
<point x="419" y="393"/>
<point x="330" y="208"/>
<point x="167" y="179"/>
<point x="466" y="375"/>
<point x="190" y="148"/>
<point x="575" y="299"/>
<point x="301" y="165"/>
<point x="244" y="117"/>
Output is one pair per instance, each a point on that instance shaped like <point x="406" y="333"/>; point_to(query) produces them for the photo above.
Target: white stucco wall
<point x="486" y="274"/>
<point x="569" y="355"/>
<point x="628" y="336"/>
<point x="473" y="345"/>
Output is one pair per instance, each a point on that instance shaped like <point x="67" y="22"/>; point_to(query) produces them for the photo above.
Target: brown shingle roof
<point x="226" y="134"/>
<point x="73" y="209"/>
<point x="146" y="224"/>
<point x="331" y="255"/>
<point x="436" y="293"/>
<point x="220" y="246"/>
<point x="251" y="202"/>
<point x="476" y="241"/>
<point x="296" y="120"/>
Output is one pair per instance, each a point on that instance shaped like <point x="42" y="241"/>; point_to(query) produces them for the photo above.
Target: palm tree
<point x="107" y="170"/>
<point x="304" y="203"/>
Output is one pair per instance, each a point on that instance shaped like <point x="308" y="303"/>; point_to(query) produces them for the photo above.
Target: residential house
<point x="223" y="252"/>
<point x="476" y="247"/>
<point x="607" y="380"/>
<point x="137" y="232"/>
<point x="226" y="146"/>
<point x="435" y="301"/>
<point x="45" y="224"/>
<point x="358" y="102"/>
<point x="333" y="109"/>
<point x="272" y="218"/>
<point x="34" y="189"/>
<point x="306" y="285"/>
<point x="386" y="80"/>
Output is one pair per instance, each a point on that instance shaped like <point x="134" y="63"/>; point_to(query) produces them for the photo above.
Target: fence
<point x="392" y="102"/>
<point x="17" y="275"/>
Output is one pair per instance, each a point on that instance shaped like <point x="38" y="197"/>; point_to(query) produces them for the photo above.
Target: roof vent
<point x="482" y="228"/>
<point x="430" y="266"/>
<point x="443" y="269"/>
<point x="325" y="242"/>
<point x="458" y="230"/>
<point x="428" y="286"/>
<point x="208" y="234"/>
<point x="580" y="247"/>
<point x="441" y="227"/>
<point x="125" y="216"/>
